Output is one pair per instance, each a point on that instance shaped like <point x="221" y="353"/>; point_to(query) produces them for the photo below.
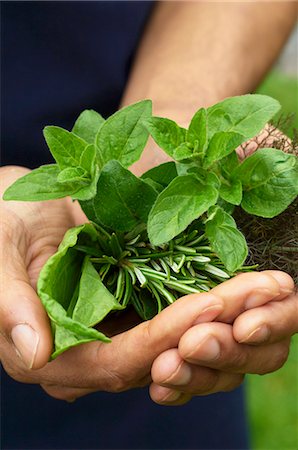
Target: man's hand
<point x="251" y="335"/>
<point x="29" y="234"/>
<point x="175" y="341"/>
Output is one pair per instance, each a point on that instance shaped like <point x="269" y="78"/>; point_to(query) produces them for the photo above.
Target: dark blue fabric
<point x="58" y="59"/>
<point x="130" y="420"/>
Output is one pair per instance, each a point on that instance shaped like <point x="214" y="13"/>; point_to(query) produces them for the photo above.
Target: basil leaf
<point x="40" y="184"/>
<point x="65" y="146"/>
<point x="221" y="145"/>
<point x="64" y="338"/>
<point x="73" y="174"/>
<point x="122" y="199"/>
<point x="270" y="182"/>
<point x="162" y="174"/>
<point x="87" y="125"/>
<point x="231" y="191"/>
<point x="166" y="133"/>
<point x="197" y="131"/>
<point x="122" y="137"/>
<point x="248" y="114"/>
<point x="94" y="301"/>
<point x="226" y="240"/>
<point x="183" y="201"/>
<point x="156" y="186"/>
<point x="56" y="286"/>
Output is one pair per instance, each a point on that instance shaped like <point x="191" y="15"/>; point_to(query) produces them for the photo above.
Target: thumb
<point x="23" y="320"/>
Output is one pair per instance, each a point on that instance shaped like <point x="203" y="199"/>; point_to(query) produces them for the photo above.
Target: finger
<point x="249" y="290"/>
<point x="171" y="371"/>
<point x="168" y="397"/>
<point x="23" y="320"/>
<point x="212" y="345"/>
<point x="268" y="324"/>
<point x="126" y="361"/>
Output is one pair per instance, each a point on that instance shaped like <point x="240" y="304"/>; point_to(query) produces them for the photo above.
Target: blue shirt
<point x="58" y="59"/>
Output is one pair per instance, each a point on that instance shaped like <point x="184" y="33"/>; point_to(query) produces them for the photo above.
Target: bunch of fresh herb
<point x="168" y="233"/>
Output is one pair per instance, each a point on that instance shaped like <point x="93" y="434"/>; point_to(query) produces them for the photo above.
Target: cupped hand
<point x="251" y="335"/>
<point x="29" y="234"/>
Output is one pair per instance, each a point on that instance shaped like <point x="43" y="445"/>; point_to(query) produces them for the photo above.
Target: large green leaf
<point x="166" y="133"/>
<point x="270" y="182"/>
<point x="184" y="200"/>
<point x="57" y="284"/>
<point x="248" y="114"/>
<point x="87" y="125"/>
<point x="122" y="199"/>
<point x="65" y="146"/>
<point x="226" y="240"/>
<point x="122" y="137"/>
<point x="162" y="174"/>
<point x="94" y="301"/>
<point x="220" y="146"/>
<point x="41" y="184"/>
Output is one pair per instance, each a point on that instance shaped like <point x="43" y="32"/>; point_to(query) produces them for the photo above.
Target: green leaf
<point x="94" y="300"/>
<point x="122" y="137"/>
<point x="73" y="175"/>
<point x="228" y="164"/>
<point x="197" y="131"/>
<point x="184" y="151"/>
<point x="89" y="160"/>
<point x="231" y="191"/>
<point x="162" y="174"/>
<point x="184" y="200"/>
<point x="205" y="176"/>
<point x="221" y="145"/>
<point x="65" y="146"/>
<point x="56" y="286"/>
<point x="87" y="125"/>
<point x="217" y="120"/>
<point x="40" y="184"/>
<point x="270" y="182"/>
<point x="166" y="133"/>
<point x="248" y="114"/>
<point x="122" y="199"/>
<point x="226" y="240"/>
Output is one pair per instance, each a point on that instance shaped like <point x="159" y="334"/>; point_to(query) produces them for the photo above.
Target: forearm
<point x="197" y="53"/>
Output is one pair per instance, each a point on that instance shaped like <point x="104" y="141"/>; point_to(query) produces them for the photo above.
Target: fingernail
<point x="171" y="397"/>
<point x="180" y="377"/>
<point x="257" y="336"/>
<point x="255" y="300"/>
<point x="208" y="314"/>
<point x="25" y="341"/>
<point x="208" y="350"/>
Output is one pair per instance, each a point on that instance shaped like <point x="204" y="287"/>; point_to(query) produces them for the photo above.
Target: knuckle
<point x="17" y="373"/>
<point x="279" y="357"/>
<point x="236" y="361"/>
<point x="206" y="383"/>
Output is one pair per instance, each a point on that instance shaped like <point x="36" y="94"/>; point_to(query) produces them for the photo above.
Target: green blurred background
<point x="273" y="399"/>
